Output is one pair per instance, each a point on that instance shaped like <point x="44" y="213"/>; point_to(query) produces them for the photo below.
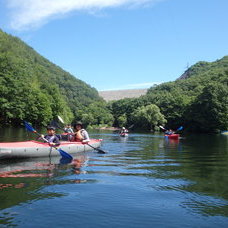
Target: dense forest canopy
<point x="198" y="100"/>
<point x="34" y="89"/>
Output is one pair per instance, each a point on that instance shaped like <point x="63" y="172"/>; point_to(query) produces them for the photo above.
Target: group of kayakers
<point x="76" y="134"/>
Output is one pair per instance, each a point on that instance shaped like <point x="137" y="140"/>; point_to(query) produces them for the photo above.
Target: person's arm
<point x="85" y="136"/>
<point x="78" y="136"/>
<point x="55" y="141"/>
<point x="43" y="138"/>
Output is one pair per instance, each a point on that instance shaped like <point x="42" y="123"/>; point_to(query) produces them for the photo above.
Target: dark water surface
<point x="143" y="181"/>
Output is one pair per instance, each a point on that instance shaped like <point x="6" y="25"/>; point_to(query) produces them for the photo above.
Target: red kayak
<point x="172" y="136"/>
<point x="123" y="134"/>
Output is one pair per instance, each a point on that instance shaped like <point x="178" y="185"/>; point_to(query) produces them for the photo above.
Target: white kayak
<point x="29" y="149"/>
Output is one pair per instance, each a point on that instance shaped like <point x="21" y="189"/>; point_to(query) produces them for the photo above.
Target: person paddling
<point x="68" y="129"/>
<point x="169" y="132"/>
<point x="123" y="131"/>
<point x="81" y="135"/>
<point x="51" y="138"/>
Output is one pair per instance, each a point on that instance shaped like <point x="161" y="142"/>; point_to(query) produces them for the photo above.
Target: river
<point x="143" y="180"/>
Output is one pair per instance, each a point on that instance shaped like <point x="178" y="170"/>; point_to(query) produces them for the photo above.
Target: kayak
<point x="123" y="134"/>
<point x="173" y="136"/>
<point x="224" y="132"/>
<point x="28" y="149"/>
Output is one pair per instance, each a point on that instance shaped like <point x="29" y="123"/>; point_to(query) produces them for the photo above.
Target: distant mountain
<point x="198" y="101"/>
<point x="208" y="68"/>
<point x="111" y="95"/>
<point x="33" y="88"/>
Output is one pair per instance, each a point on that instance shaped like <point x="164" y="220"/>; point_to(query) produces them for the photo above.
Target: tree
<point x="122" y="120"/>
<point x="209" y="112"/>
<point x="148" y="117"/>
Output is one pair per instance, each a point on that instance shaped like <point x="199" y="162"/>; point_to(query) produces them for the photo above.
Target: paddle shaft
<point x="99" y="150"/>
<point x="62" y="152"/>
<point x="178" y="129"/>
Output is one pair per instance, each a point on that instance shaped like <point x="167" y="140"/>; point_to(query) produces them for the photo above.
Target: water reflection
<point x="33" y="174"/>
<point x="141" y="177"/>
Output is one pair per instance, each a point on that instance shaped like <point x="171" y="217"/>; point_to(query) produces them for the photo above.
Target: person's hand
<point x="51" y="144"/>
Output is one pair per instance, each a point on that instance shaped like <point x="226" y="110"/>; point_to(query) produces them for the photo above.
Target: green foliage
<point x="36" y="90"/>
<point x="199" y="102"/>
<point x="122" y="120"/>
<point x="209" y="111"/>
<point x="148" y="117"/>
<point x="96" y="114"/>
<point x="124" y="108"/>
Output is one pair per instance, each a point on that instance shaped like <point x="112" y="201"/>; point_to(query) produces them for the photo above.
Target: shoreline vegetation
<point x="36" y="90"/>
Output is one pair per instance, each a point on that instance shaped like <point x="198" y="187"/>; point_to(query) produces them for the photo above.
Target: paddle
<point x="55" y="124"/>
<point x="60" y="119"/>
<point x="63" y="153"/>
<point x="99" y="150"/>
<point x="178" y="129"/>
<point x="163" y="128"/>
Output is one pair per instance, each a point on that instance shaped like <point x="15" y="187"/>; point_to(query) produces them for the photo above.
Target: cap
<point x="78" y="123"/>
<point x="50" y="128"/>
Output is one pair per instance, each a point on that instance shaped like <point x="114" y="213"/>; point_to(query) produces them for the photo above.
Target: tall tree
<point x="148" y="117"/>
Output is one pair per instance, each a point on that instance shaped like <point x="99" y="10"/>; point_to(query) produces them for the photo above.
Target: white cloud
<point x="26" y="14"/>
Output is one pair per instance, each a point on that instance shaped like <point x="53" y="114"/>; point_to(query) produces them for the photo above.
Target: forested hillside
<point x="34" y="89"/>
<point x="199" y="101"/>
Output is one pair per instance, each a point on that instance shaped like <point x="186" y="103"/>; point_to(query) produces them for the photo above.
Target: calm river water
<point x="143" y="181"/>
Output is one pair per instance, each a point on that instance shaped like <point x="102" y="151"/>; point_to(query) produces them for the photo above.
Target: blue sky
<point x="121" y="44"/>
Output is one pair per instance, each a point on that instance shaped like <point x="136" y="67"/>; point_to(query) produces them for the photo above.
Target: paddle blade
<point x="100" y="151"/>
<point x="55" y="124"/>
<point x="60" y="119"/>
<point x="64" y="154"/>
<point x="180" y="128"/>
<point x="64" y="161"/>
<point x="162" y="127"/>
<point x="29" y="127"/>
<point x="97" y="149"/>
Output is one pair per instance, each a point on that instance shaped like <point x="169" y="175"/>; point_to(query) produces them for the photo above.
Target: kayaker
<point x="68" y="129"/>
<point x="169" y="132"/>
<point x="123" y="131"/>
<point x="81" y="135"/>
<point x="51" y="137"/>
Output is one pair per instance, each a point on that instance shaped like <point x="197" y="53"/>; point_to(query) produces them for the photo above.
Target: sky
<point x="121" y="44"/>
